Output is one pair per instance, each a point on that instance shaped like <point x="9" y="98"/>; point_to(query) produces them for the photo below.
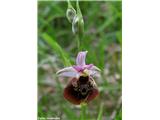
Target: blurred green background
<point x="57" y="48"/>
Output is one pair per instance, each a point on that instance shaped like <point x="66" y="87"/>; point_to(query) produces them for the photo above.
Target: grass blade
<point x="100" y="112"/>
<point x="57" y="48"/>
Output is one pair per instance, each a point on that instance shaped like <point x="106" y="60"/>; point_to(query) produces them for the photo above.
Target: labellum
<point x="81" y="90"/>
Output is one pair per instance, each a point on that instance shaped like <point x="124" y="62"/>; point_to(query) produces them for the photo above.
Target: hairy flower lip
<point x="84" y="91"/>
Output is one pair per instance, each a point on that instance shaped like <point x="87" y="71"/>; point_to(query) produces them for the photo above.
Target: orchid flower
<point x="80" y="69"/>
<point x="81" y="87"/>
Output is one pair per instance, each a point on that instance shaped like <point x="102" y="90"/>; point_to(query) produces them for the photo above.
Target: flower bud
<point x="70" y="14"/>
<point x="75" y="24"/>
<point x="78" y="25"/>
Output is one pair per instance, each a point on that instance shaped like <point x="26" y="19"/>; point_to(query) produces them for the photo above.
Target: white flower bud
<point x="70" y="14"/>
<point x="77" y="25"/>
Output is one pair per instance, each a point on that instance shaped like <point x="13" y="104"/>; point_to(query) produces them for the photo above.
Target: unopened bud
<point x="78" y="25"/>
<point x="75" y="24"/>
<point x="70" y="14"/>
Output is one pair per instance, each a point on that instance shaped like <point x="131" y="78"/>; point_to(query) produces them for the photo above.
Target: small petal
<point x="78" y="68"/>
<point x="66" y="69"/>
<point x="81" y="58"/>
<point x="88" y="66"/>
<point x="94" y="71"/>
<point x="94" y="68"/>
<point x="68" y="72"/>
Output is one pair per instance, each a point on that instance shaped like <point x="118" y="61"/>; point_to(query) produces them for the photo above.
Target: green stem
<point x="78" y="9"/>
<point x="83" y="115"/>
<point x="78" y="42"/>
<point x="69" y="3"/>
<point x="100" y="112"/>
<point x="78" y="36"/>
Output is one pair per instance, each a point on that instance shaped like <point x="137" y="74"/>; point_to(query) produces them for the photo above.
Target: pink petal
<point x="88" y="66"/>
<point x="94" y="71"/>
<point x="94" y="68"/>
<point x="81" y="58"/>
<point x="78" y="68"/>
<point x="68" y="72"/>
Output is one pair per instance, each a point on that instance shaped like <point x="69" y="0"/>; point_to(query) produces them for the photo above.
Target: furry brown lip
<point x="83" y="91"/>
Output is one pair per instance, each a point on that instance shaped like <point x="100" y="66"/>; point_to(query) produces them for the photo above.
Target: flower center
<point x="79" y="68"/>
<point x="84" y="89"/>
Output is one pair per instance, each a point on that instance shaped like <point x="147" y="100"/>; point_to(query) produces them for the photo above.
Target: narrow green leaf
<point x="69" y="113"/>
<point x="119" y="115"/>
<point x="100" y="112"/>
<point x="57" y="49"/>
